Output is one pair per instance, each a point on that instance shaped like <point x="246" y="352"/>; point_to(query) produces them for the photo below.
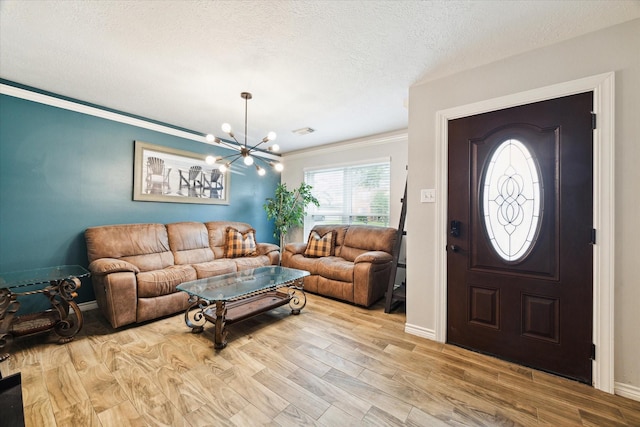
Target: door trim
<point x="603" y="87"/>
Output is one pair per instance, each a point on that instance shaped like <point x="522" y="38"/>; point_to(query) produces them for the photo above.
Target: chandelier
<point x="245" y="151"/>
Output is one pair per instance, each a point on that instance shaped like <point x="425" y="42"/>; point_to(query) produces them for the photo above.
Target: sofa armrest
<point x="104" y="266"/>
<point x="371" y="277"/>
<point x="295" y="248"/>
<point x="265" y="248"/>
<point x="117" y="296"/>
<point x="270" y="250"/>
<point x="374" y="257"/>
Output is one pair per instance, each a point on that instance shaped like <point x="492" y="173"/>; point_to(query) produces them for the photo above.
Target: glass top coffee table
<point x="230" y="298"/>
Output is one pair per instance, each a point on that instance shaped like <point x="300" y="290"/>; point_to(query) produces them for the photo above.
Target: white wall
<point x="613" y="49"/>
<point x="392" y="145"/>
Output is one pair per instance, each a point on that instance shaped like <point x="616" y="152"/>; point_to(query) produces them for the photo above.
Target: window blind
<point x="349" y="194"/>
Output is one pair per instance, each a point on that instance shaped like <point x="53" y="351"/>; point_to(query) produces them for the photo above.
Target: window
<point x="349" y="194"/>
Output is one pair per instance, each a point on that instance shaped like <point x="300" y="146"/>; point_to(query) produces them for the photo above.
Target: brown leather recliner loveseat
<point x="356" y="268"/>
<point x="135" y="268"/>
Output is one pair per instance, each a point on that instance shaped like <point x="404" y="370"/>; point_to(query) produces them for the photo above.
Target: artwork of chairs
<point x="192" y="182"/>
<point x="198" y="184"/>
<point x="157" y="178"/>
<point x="214" y="184"/>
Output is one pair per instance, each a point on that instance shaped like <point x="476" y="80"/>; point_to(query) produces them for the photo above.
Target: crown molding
<point x="368" y="142"/>
<point x="78" y="107"/>
<point x="94" y="111"/>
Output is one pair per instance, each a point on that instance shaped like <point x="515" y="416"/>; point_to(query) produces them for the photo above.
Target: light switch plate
<point x="428" y="195"/>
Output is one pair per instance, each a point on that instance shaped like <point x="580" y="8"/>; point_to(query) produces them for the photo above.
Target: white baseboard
<point x="628" y="391"/>
<point x="420" y="331"/>
<point x="88" y="306"/>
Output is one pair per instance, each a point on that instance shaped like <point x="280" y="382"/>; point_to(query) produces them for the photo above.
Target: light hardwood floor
<point x="333" y="365"/>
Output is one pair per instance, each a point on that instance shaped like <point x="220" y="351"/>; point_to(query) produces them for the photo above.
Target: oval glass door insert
<point x="511" y="200"/>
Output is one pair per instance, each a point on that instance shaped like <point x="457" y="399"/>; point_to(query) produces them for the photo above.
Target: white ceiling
<point x="341" y="67"/>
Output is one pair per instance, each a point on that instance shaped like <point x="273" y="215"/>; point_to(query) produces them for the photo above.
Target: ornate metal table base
<point x="222" y="313"/>
<point x="64" y="317"/>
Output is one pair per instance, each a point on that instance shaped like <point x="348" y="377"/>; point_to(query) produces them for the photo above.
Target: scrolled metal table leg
<point x="68" y="328"/>
<point x="61" y="297"/>
<point x="196" y="320"/>
<point x="297" y="298"/>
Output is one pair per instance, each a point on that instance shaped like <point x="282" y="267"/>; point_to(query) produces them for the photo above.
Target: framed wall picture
<point x="164" y="174"/>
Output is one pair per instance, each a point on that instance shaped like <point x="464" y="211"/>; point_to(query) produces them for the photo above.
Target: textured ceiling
<point x="340" y="67"/>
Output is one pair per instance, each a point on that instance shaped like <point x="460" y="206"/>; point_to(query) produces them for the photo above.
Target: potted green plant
<point x="288" y="208"/>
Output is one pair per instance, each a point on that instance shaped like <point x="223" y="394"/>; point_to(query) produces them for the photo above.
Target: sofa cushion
<point x="364" y="238"/>
<point x="163" y="282"/>
<point x="239" y="244"/>
<point x="320" y="246"/>
<point x="189" y="242"/>
<point x="335" y="268"/>
<point x="215" y="268"/>
<point x="245" y="263"/>
<point x="144" y="245"/>
<point x="301" y="263"/>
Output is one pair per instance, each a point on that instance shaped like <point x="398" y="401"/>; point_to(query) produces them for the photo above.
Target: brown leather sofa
<point x="359" y="269"/>
<point x="135" y="268"/>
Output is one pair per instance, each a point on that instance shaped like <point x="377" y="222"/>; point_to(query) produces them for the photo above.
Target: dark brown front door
<point x="520" y="259"/>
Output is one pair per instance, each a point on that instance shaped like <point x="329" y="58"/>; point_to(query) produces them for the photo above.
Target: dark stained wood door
<point x="520" y="211"/>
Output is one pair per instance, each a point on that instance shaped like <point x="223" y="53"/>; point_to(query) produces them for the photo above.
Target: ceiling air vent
<point x="303" y="131"/>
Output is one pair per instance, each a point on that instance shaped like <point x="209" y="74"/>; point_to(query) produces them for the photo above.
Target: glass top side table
<point x="59" y="285"/>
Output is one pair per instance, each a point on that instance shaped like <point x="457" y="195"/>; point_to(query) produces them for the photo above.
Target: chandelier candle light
<point x="245" y="150"/>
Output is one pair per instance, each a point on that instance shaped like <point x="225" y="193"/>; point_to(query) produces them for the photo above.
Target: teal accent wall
<point x="63" y="171"/>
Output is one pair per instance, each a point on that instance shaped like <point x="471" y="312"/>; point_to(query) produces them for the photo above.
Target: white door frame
<point x="602" y="86"/>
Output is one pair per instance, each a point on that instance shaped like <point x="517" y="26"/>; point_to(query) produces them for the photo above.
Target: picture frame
<point x="163" y="174"/>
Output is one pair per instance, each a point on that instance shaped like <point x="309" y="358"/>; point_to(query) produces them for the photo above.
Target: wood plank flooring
<point x="333" y="365"/>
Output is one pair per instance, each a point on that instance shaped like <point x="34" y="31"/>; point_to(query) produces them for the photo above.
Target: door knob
<point x="454" y="248"/>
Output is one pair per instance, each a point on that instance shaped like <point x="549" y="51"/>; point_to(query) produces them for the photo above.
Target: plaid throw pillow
<point x="319" y="246"/>
<point x="239" y="244"/>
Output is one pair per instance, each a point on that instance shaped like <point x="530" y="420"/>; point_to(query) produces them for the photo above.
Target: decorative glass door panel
<point x="511" y="202"/>
<point x="514" y="171"/>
